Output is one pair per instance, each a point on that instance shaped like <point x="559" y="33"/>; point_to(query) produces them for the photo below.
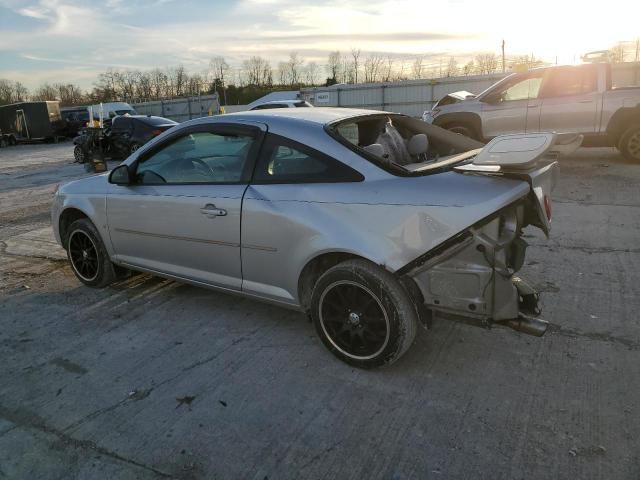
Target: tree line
<point x="256" y="76"/>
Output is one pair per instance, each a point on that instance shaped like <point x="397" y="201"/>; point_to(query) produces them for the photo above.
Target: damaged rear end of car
<point x="473" y="275"/>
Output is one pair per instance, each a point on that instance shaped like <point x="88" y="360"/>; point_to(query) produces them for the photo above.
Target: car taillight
<point x="155" y="133"/>
<point x="547" y="207"/>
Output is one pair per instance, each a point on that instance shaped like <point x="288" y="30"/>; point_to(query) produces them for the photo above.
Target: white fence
<point x="411" y="97"/>
<point x="181" y="109"/>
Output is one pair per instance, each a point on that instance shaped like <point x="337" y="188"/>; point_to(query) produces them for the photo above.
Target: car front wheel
<point x="134" y="147"/>
<point x="363" y="315"/>
<point x="88" y="256"/>
<point x="78" y="154"/>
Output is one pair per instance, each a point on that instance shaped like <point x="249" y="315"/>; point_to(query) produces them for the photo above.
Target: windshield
<point x="402" y="145"/>
<point x="124" y="112"/>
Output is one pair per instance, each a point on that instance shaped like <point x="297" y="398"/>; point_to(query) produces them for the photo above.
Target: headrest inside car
<point x="418" y="144"/>
<point x="375" y="149"/>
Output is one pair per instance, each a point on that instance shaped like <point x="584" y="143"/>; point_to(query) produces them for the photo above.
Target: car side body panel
<point x="389" y="222"/>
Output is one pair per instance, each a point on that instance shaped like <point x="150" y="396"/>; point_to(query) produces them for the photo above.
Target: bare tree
<point x="144" y="88"/>
<point x="159" y="83"/>
<point x="487" y="63"/>
<point x="311" y="72"/>
<point x="283" y="73"/>
<point x="334" y="65"/>
<point x="388" y="69"/>
<point x="355" y="55"/>
<point x="257" y="71"/>
<point x="469" y="68"/>
<point x="220" y="69"/>
<point x="452" y="68"/>
<point x="295" y="63"/>
<point x="69" y="94"/>
<point x="346" y="71"/>
<point x="416" y="68"/>
<point x="45" y="92"/>
<point x="616" y="53"/>
<point x="372" y="66"/>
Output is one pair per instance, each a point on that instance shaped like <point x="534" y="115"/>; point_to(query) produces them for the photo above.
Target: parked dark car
<point x="122" y="136"/>
<point x="130" y="132"/>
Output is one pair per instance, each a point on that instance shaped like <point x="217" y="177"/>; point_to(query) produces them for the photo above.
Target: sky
<point x="74" y="40"/>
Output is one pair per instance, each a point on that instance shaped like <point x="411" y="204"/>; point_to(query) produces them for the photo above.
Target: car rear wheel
<point x="629" y="144"/>
<point x="88" y="256"/>
<point x="363" y="315"/>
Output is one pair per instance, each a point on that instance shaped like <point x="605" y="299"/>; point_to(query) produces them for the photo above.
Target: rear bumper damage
<point x="472" y="276"/>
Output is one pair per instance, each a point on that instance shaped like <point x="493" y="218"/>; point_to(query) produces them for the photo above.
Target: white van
<point x="112" y="109"/>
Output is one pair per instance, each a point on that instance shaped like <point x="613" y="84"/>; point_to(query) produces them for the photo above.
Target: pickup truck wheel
<point x="88" y="256"/>
<point x="629" y="144"/>
<point x="363" y="315"/>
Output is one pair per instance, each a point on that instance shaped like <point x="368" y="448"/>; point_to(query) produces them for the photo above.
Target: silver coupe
<point x="370" y="222"/>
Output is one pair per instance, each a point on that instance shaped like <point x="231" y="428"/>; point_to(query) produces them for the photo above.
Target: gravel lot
<point x="153" y="379"/>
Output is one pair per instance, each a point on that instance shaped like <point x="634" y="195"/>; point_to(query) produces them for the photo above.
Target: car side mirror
<point x="120" y="175"/>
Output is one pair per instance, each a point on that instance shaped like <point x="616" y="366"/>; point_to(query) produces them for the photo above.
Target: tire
<point x="363" y="315"/>
<point x="88" y="256"/>
<point x="629" y="144"/>
<point x="78" y="154"/>
<point x="4" y="142"/>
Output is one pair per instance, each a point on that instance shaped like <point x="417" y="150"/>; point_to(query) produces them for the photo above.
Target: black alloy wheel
<point x="83" y="255"/>
<point x="354" y="320"/>
<point x="363" y="314"/>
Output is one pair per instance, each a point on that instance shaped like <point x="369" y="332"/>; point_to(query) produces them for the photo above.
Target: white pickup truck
<point x="564" y="99"/>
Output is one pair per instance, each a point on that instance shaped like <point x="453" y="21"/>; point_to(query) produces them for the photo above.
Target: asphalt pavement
<point x="152" y="379"/>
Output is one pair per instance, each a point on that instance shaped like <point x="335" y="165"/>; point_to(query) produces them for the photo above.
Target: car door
<point x="570" y="100"/>
<point x="277" y="214"/>
<point x="513" y="108"/>
<point x="181" y="216"/>
<point x="120" y="134"/>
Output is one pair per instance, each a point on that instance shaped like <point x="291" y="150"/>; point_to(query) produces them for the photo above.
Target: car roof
<point x="318" y="115"/>
<point x="289" y="100"/>
<point x="147" y="117"/>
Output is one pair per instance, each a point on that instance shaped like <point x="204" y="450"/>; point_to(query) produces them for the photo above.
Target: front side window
<point x="286" y="161"/>
<point x="523" y="90"/>
<point x="565" y="82"/>
<point x="200" y="157"/>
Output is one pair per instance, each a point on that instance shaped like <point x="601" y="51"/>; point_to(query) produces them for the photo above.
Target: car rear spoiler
<point x="521" y="151"/>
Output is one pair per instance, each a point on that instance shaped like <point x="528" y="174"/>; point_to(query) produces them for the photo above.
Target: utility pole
<point x="503" y="67"/>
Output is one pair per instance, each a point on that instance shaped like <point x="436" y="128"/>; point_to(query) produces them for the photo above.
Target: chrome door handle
<point x="533" y="105"/>
<point x="211" y="210"/>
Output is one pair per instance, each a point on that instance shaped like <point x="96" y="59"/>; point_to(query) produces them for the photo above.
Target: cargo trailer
<point x="31" y="121"/>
